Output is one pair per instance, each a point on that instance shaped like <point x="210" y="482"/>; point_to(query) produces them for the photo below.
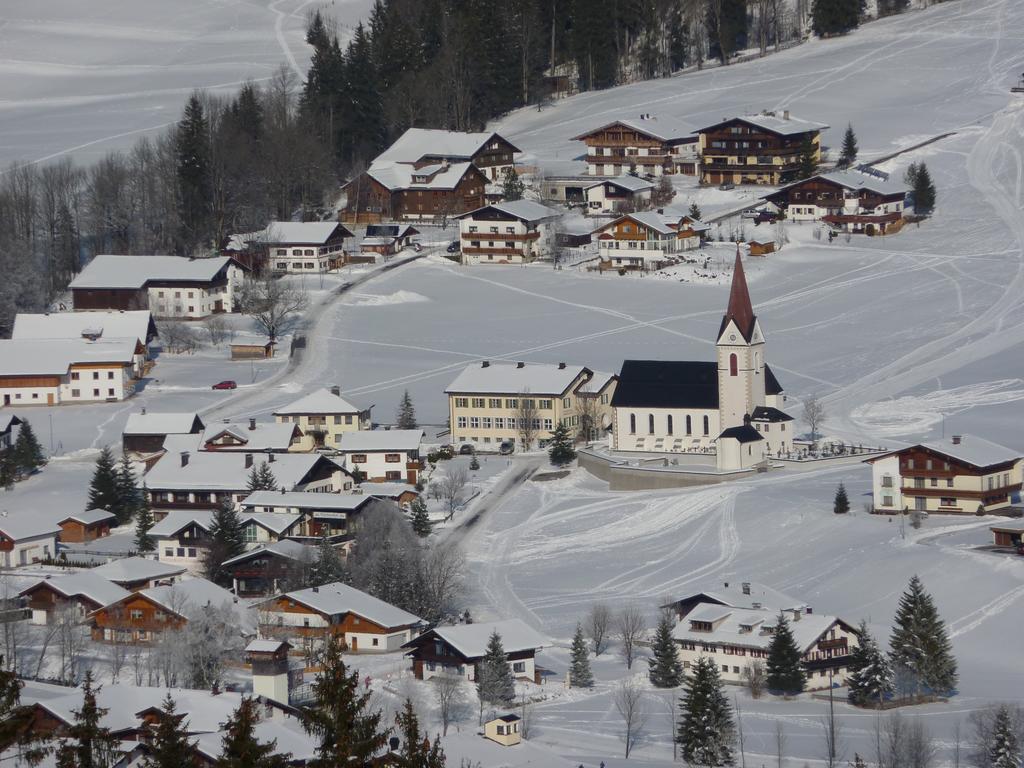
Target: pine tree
<point x="127" y="491"/>
<point x="869" y="676"/>
<point x="406" y="417"/>
<point x="841" y="503"/>
<point x="665" y="668"/>
<point x="239" y="746"/>
<point x="226" y="540"/>
<point x="12" y="716"/>
<point x="8" y="468"/>
<point x="834" y="17"/>
<point x="328" y="567"/>
<point x="495" y="683"/>
<point x="663" y="192"/>
<point x="561" y="451"/>
<point x="580" y="675"/>
<point x="1003" y="749"/>
<point x="346" y="730"/>
<point x="416" y="751"/>
<point x="511" y="186"/>
<point x="28" y="454"/>
<point x="474" y="463"/>
<point x="192" y="149"/>
<point x="364" y="137"/>
<point x="87" y="743"/>
<point x="169" y="747"/>
<point x="923" y="190"/>
<point x="103" y="491"/>
<point x="808" y="160"/>
<point x="848" y="154"/>
<point x="919" y="644"/>
<point x="419" y="518"/>
<point x="695" y="211"/>
<point x="705" y="730"/>
<point x="316" y="32"/>
<point x="785" y="674"/>
<point x="261" y="478"/>
<point x="144" y="543"/>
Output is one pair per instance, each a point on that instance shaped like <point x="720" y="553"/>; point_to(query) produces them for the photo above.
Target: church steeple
<point x="740" y="309"/>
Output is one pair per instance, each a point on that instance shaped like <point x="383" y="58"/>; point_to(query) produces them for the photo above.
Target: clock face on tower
<point x="732" y="337"/>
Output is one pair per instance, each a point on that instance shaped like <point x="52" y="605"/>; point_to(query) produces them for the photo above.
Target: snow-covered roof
<point x="160" y="423"/>
<point x="110" y="271"/>
<point x="74" y="325"/>
<point x="417" y="143"/>
<point x="386" y="490"/>
<point x="287" y="735"/>
<point x="275" y="522"/>
<point x="855" y="180"/>
<point x="775" y="122"/>
<point x="627" y="182"/>
<point x="292" y="550"/>
<point x="302" y="232"/>
<point x="662" y="128"/>
<point x="513" y="378"/>
<point x="188" y="597"/>
<point x="319" y="402"/>
<point x="263" y="435"/>
<point x="381" y="440"/>
<point x="471" y="639"/>
<point x="597" y="382"/>
<point x="744" y="627"/>
<point x="53" y="357"/>
<point x="128" y="570"/>
<point x="86" y="584"/>
<point x="337" y="599"/>
<point x="26" y="525"/>
<point x="90" y="517"/>
<point x="298" y="500"/>
<point x="396" y="176"/>
<point x="974" y="450"/>
<point x="745" y="594"/>
<point x="524" y="210"/>
<point x="178" y="519"/>
<point x="265" y="646"/>
<point x="226" y="470"/>
<point x="8" y="420"/>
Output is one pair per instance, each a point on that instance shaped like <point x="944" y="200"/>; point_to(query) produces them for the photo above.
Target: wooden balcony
<point x="958" y="493"/>
<point x="501" y="251"/>
<point x="495" y="236"/>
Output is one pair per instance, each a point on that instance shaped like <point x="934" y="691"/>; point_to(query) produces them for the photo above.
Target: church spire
<point x="739" y="310"/>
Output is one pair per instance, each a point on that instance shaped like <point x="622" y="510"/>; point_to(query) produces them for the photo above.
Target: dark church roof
<point x="667" y="384"/>
<point x="767" y="413"/>
<point x="745" y="434"/>
<point x="740" y="309"/>
<point x="771" y="384"/>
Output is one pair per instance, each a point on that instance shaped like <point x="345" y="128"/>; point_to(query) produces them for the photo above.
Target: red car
<point x="228" y="384"/>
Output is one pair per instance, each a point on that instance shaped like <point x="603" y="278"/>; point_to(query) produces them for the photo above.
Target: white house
<point x="383" y="454"/>
<point x="299" y="246"/>
<point x="252" y="435"/>
<point x="516" y="232"/>
<point x="55" y="371"/>
<point x="182" y="539"/>
<point x="647" y="240"/>
<point x="270" y="515"/>
<point x="458" y="649"/>
<point x="324" y="416"/>
<point x="961" y="474"/>
<point x="25" y="540"/>
<point x="852" y="200"/>
<point x="621" y="193"/>
<point x="106" y="324"/>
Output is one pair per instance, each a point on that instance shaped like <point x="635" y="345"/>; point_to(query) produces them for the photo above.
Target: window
<point x="650" y="423"/>
<point x="461" y="402"/>
<point x="947" y="501"/>
<point x="567" y="402"/>
<point x="392" y="475"/>
<point x="887" y="481"/>
<point x="76" y="392"/>
<point x="949" y="482"/>
<point x="461" y="422"/>
<point x="632" y="423"/>
<point x="358" y="458"/>
<point x="136" y="614"/>
<point x="733" y="364"/>
<point x="499" y="422"/>
<point x="707" y="428"/>
<point x="934" y="482"/>
<point x="74" y="375"/>
<point x="689" y="426"/>
<point x="545" y="405"/>
<point x="669" y="420"/>
<point x="95" y="375"/>
<point x="348" y="418"/>
<point x="95" y="393"/>
<point x="548" y="424"/>
<point x="110" y="393"/>
<point x="392" y="458"/>
<point x="519" y="667"/>
<point x="494" y="402"/>
<point x="110" y="374"/>
<point x="168" y="552"/>
<point x="478" y="402"/>
<point x="512" y="403"/>
<point x="474" y="422"/>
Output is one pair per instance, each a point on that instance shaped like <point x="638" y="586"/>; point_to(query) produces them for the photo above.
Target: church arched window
<point x="733" y="364"/>
<point x="650" y="423"/>
<point x="632" y="423"/>
<point x="689" y="427"/>
<point x="670" y="423"/>
<point x="707" y="427"/>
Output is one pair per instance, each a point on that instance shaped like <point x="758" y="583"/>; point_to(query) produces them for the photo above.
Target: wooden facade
<point x="919" y="467"/>
<point x="372" y="201"/>
<point x="428" y="649"/>
<point x="136" y="619"/>
<point x="741" y="152"/>
<point x="76" y="532"/>
<point x="630" y="149"/>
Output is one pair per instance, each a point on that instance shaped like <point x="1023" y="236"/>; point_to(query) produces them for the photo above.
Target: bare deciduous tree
<point x="598" y="621"/>
<point x="754" y="676"/>
<point x="441" y="579"/>
<point x="273" y="303"/>
<point x="216" y="328"/>
<point x="178" y="337"/>
<point x="780" y="743"/>
<point x="527" y="419"/>
<point x="589" y="409"/>
<point x="452" y="486"/>
<point x="814" y="414"/>
<point x="629" y="702"/>
<point x="629" y="626"/>
<point x="452" y="703"/>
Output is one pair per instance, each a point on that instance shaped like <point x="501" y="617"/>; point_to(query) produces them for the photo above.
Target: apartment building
<point x="647" y="146"/>
<point x="516" y="232"/>
<point x="324" y="416"/>
<point x="853" y="201"/>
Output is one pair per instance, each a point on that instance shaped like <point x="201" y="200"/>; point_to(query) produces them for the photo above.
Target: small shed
<point x="252" y="351"/>
<point x="504" y="730"/>
<point x="83" y="527"/>
<point x="761" y="247"/>
<point x="1009" y="534"/>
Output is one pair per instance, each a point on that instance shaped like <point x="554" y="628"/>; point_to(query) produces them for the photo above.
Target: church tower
<point x="740" y="346"/>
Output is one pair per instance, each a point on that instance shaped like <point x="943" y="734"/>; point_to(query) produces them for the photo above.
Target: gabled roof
<point x="85" y="584"/>
<point x="743" y="627"/>
<point x="399" y="176"/>
<point x="743" y="434"/>
<point x="767" y="413"/>
<point x="471" y="639"/>
<point x="8" y="420"/>
<point x="90" y="517"/>
<point x="110" y="271"/>
<point x="26" y="525"/>
<point x="627" y="182"/>
<point x="661" y="128"/>
<point x="514" y="378"/>
<point x="291" y="550"/>
<point x="744" y="594"/>
<point x="381" y="440"/>
<point x="303" y="232"/>
<point x="527" y="211"/>
<point x="287" y="736"/>
<point x="129" y="570"/>
<point x="320" y="401"/>
<point x="390" y="231"/>
<point x="417" y="143"/>
<point x="855" y="180"/>
<point x="773" y="122"/>
<point x="187" y="598"/>
<point x="178" y="520"/>
<point x="387" y="490"/>
<point x="162" y="423"/>
<point x="338" y="599"/>
<point x="740" y="310"/>
<point x="667" y="384"/>
<point x="53" y="357"/>
<point x="771" y="384"/>
<point x="115" y="324"/>
<point x="264" y="435"/>
<point x="973" y="451"/>
<point x="275" y="522"/>
<point x="335" y="502"/>
<point x="226" y="470"/>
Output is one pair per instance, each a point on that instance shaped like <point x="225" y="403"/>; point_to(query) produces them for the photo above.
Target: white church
<point x="729" y="409"/>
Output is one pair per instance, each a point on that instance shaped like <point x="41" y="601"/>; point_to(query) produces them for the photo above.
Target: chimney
<point x="248" y="460"/>
<point x="270" y="458"/>
<point x="957" y="439"/>
<point x="746" y="587"/>
<point x="520" y="365"/>
<point x="394" y="743"/>
<point x="336" y="390"/>
<point x="561" y="366"/>
<point x="725" y="584"/>
<point x="485" y="364"/>
<point x="785" y="114"/>
<point x="252" y="425"/>
<point x="184" y="458"/>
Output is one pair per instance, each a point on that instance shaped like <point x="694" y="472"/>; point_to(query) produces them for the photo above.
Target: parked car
<point x="765" y="217"/>
<point x="507" y="448"/>
<point x="453" y="246"/>
<point x="726" y="185"/>
<point x="226" y="384"/>
<point x="466" y="449"/>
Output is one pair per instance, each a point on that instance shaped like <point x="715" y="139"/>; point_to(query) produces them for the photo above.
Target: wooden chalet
<point x="82" y="591"/>
<point x="402" y="191"/>
<point x="384" y="240"/>
<point x="458" y="649"/>
<point x="267" y="569"/>
<point x="853" y="200"/>
<point x="145" y="432"/>
<point x="87" y="526"/>
<point x="647" y="240"/>
<point x="646" y="146"/>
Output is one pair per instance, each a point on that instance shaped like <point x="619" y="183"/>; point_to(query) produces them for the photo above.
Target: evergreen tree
<point x="192" y="149"/>
<point x="87" y="743"/>
<point x="495" y="683"/>
<point x="144" y="543"/>
<point x="910" y="175"/>
<point x="666" y="670"/>
<point x="127" y="491"/>
<point x="328" y="567"/>
<point x="406" y="416"/>
<point x="705" y="730"/>
<point x="870" y="676"/>
<point x="808" y="160"/>
<point x="103" y="491"/>
<point x="580" y="675"/>
<point x="726" y="22"/>
<point x="919" y="643"/>
<point x="365" y="113"/>
<point x="416" y="751"/>
<point x="1003" y="749"/>
<point x="239" y="746"/>
<point x="261" y="478"/>
<point x="28" y="454"/>
<point x="226" y="541"/>
<point x="663" y="192"/>
<point x="512" y="186"/>
<point x="419" y="518"/>
<point x="785" y="674"/>
<point x="834" y="17"/>
<point x="923" y="190"/>
<point x="695" y="211"/>
<point x="474" y="463"/>
<point x="13" y="718"/>
<point x="841" y="503"/>
<point x="848" y="154"/>
<point x="169" y="747"/>
<point x="561" y="451"/>
<point x="316" y="32"/>
<point x="346" y="730"/>
<point x="8" y="468"/>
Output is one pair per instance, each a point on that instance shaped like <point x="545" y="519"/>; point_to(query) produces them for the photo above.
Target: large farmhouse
<point x="516" y="232"/>
<point x="851" y="200"/>
<point x="648" y="240"/>
<point x="646" y="146"/>
<point x="729" y="408"/>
